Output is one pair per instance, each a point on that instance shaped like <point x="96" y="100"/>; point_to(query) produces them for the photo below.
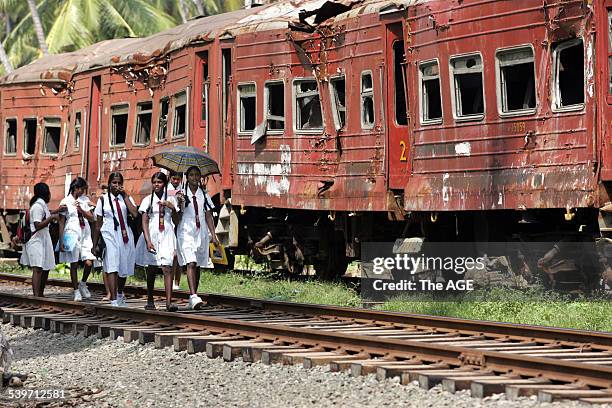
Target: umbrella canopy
<point x="181" y="158"/>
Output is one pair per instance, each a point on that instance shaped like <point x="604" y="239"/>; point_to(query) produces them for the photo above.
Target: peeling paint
<point x="273" y="177"/>
<point x="463" y="149"/>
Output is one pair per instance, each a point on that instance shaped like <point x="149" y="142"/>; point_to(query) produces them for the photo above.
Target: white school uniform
<point x="163" y="241"/>
<point x="84" y="244"/>
<point x="38" y="251"/>
<point x="192" y="241"/>
<point x="119" y="256"/>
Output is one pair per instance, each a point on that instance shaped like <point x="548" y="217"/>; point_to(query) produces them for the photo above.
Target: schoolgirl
<point x="74" y="222"/>
<point x="174" y="188"/>
<point x="112" y="225"/>
<point x="156" y="246"/>
<point x="38" y="252"/>
<point x="194" y="232"/>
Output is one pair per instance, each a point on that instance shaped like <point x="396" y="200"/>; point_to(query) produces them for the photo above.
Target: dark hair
<point x="78" y="182"/>
<point x="41" y="190"/>
<point x="176" y="174"/>
<point x="112" y="176"/>
<point x="161" y="176"/>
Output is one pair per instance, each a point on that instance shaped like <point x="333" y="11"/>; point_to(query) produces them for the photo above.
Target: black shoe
<point x="171" y="307"/>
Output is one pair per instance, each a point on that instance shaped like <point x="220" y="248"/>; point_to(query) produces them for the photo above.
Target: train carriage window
<point x="144" y="113"/>
<point x="52" y="132"/>
<point x="119" y="115"/>
<point x="29" y="136"/>
<point x="162" y="125"/>
<point x="516" y="80"/>
<point x="401" y="109"/>
<point x="338" y="90"/>
<point x="430" y="97"/>
<point x="568" y="75"/>
<point x="367" y="100"/>
<point x="275" y="105"/>
<point x="247" y="106"/>
<point x="307" y="105"/>
<point x="77" y="130"/>
<point x="10" y="136"/>
<point x="179" y="128"/>
<point x="468" y="87"/>
<point x="204" y="100"/>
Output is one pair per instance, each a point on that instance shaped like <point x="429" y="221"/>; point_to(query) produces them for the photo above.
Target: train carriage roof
<point x="59" y="68"/>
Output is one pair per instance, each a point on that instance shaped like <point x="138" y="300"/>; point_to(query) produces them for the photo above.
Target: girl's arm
<point x="130" y="206"/>
<point x="88" y="215"/>
<point x="62" y="224"/>
<point x="38" y="225"/>
<point x="211" y="227"/>
<point x="146" y="233"/>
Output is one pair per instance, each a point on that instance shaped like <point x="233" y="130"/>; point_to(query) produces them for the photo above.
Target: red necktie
<point x="161" y="216"/>
<point x="197" y="213"/>
<point x="124" y="233"/>
<point x="81" y="220"/>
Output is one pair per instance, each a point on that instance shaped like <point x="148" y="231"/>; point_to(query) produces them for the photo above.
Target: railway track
<point x="485" y="357"/>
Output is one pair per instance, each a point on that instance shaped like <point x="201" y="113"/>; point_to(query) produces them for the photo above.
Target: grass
<point x="535" y="306"/>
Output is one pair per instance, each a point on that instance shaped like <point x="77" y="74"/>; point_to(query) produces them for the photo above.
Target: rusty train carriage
<point x="337" y="122"/>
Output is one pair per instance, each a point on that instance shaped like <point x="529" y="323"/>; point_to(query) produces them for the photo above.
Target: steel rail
<point x="450" y="323"/>
<point x="554" y="369"/>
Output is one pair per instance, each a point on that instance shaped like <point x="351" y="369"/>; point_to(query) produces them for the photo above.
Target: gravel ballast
<point x="106" y="373"/>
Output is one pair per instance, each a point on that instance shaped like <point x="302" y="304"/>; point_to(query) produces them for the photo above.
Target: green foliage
<point x="74" y="24"/>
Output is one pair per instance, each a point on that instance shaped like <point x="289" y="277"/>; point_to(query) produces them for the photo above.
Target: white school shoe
<point x="121" y="300"/>
<point x="77" y="296"/>
<point x="195" y="302"/>
<point x="114" y="303"/>
<point x="84" y="290"/>
<point x="175" y="286"/>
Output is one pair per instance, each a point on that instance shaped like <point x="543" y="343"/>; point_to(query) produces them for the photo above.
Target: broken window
<point x="77" y="130"/>
<point x="53" y="132"/>
<point x="275" y="105"/>
<point x="516" y="80"/>
<point x="431" y="99"/>
<point x="308" y="105"/>
<point x="119" y="114"/>
<point x="10" y="136"/>
<point x="247" y="107"/>
<point x="401" y="109"/>
<point x="367" y="100"/>
<point x="179" y="129"/>
<point x="144" y="112"/>
<point x="338" y="88"/>
<point x="569" y="74"/>
<point x="162" y="125"/>
<point x="468" y="87"/>
<point x="29" y="136"/>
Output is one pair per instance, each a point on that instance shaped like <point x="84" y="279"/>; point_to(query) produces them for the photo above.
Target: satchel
<point x="101" y="245"/>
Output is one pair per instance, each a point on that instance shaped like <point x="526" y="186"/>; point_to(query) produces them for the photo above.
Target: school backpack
<point x="24" y="233"/>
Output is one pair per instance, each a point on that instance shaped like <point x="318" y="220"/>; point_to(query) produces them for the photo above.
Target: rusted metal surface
<point x="540" y="159"/>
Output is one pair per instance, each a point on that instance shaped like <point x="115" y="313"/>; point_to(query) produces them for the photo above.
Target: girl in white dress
<point x="112" y="226"/>
<point x="38" y="251"/>
<point x="75" y="221"/>
<point x="194" y="232"/>
<point x="156" y="246"/>
<point x="176" y="179"/>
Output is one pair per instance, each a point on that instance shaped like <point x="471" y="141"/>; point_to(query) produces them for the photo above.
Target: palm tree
<point x="38" y="28"/>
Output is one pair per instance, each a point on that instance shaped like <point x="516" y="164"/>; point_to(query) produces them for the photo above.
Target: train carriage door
<point x="93" y="149"/>
<point x="201" y="138"/>
<point x="606" y="31"/>
<point x="397" y="108"/>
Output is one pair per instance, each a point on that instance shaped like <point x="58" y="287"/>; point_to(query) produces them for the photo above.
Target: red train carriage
<point x="340" y="122"/>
